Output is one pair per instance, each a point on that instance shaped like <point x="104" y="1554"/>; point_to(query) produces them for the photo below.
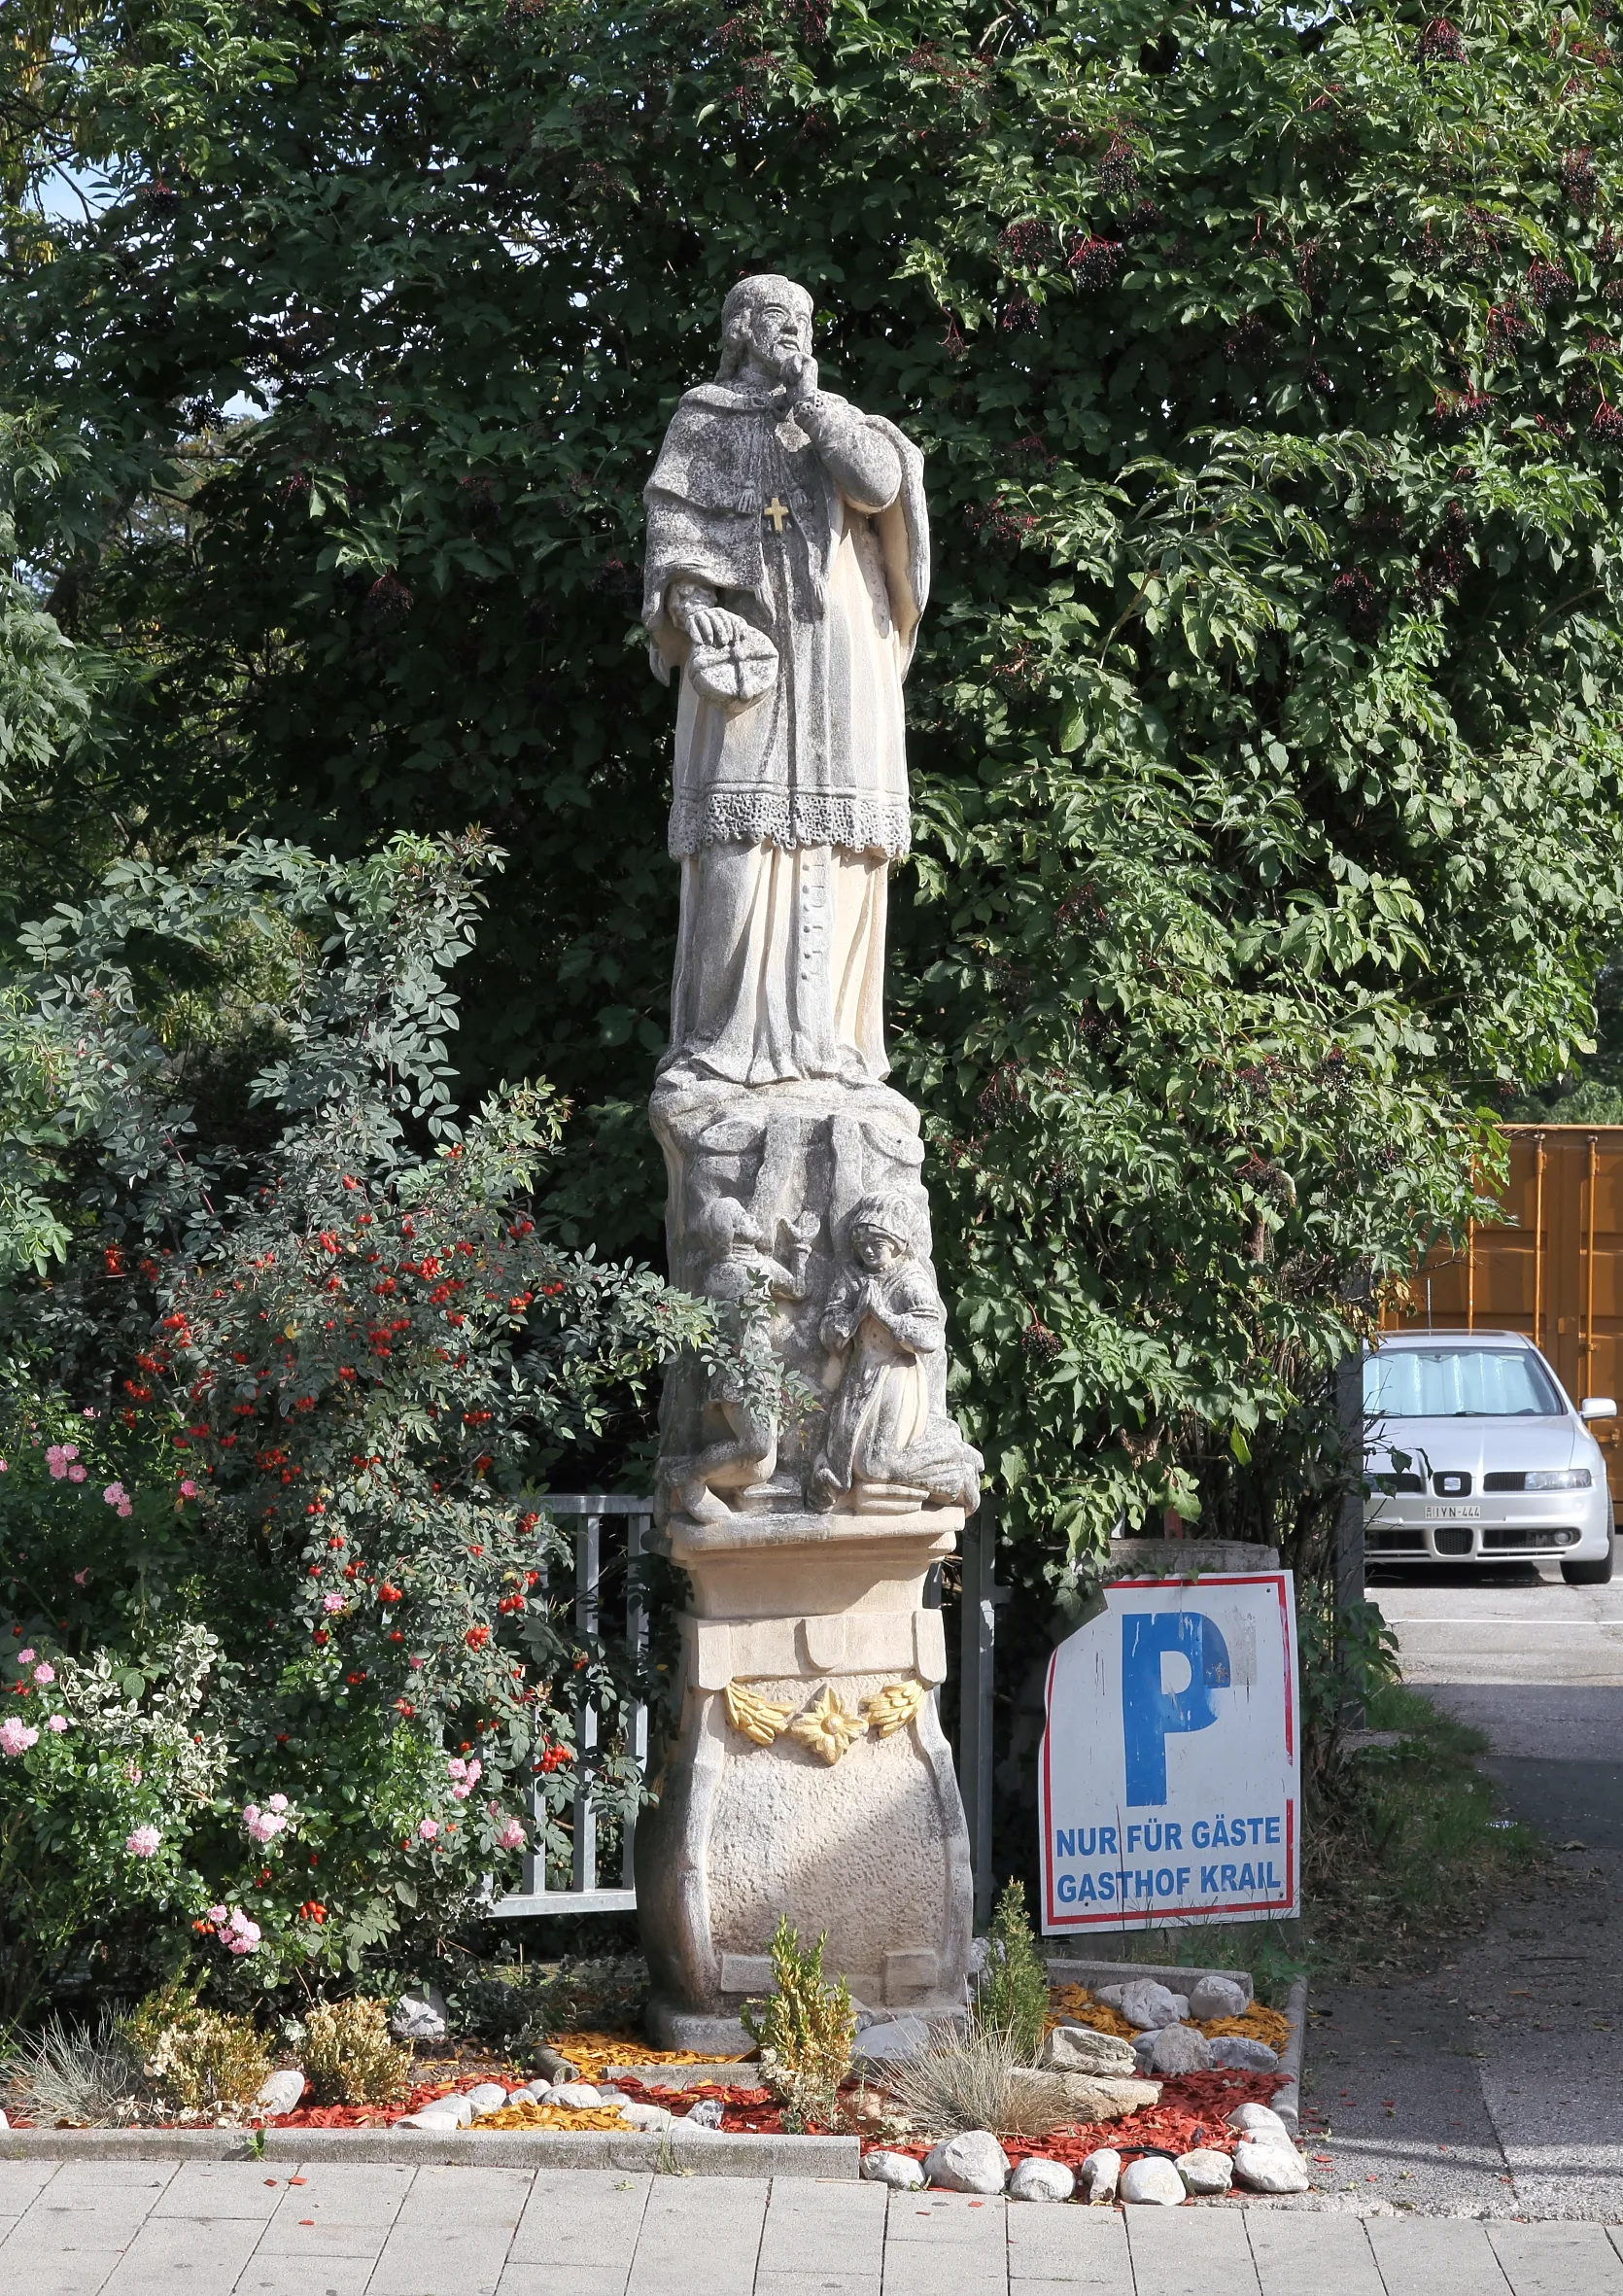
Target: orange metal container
<point x="1556" y="1274"/>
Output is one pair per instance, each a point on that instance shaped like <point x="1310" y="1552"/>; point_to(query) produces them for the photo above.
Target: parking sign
<point x="1172" y="1771"/>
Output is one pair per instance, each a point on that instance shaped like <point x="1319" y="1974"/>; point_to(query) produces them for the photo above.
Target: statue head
<point x="882" y="1229"/>
<point x="769" y="317"/>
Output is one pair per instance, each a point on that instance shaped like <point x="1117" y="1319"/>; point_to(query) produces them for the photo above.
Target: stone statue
<point x="889" y="1441"/>
<point x="787" y="566"/>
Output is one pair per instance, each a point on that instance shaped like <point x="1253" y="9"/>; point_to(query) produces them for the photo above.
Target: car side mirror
<point x="1596" y="1407"/>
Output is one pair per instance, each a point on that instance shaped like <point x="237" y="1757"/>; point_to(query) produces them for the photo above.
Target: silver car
<point x="1475" y="1453"/>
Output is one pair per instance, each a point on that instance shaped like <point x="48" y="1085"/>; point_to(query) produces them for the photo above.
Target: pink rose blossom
<point x="277" y="1801"/>
<point x="215" y="1913"/>
<point x="76" y="1474"/>
<point x="263" y="1824"/>
<point x="189" y="1489"/>
<point x="14" y="1738"/>
<point x="57" y="1721"/>
<point x="331" y="1603"/>
<point x="89" y="1412"/>
<point x="55" y="1460"/>
<point x="455" y="1768"/>
<point x="45" y="1674"/>
<point x="70" y="1451"/>
<point x="82" y="1578"/>
<point x="144" y="1841"/>
<point x="115" y="1494"/>
<point x="512" y="1835"/>
<point x="427" y="1828"/>
<point x="132" y="1771"/>
<point x="25" y="1657"/>
<point x="125" y="1510"/>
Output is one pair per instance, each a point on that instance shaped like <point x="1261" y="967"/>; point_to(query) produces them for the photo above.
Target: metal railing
<point x="584" y="1893"/>
<point x="976" y="1638"/>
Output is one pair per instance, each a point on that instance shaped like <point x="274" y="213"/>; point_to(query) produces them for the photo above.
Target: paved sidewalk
<point x="223" y="2229"/>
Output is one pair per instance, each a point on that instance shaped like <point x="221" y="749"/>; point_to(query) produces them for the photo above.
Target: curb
<point x="1288" y="2102"/>
<point x="715" y="2153"/>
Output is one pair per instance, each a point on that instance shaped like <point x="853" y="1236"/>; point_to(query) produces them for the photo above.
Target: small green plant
<point x="195" y="2058"/>
<point x="803" y="2030"/>
<point x="349" y="2058"/>
<point x="1013" y="1996"/>
<point x="75" y="2075"/>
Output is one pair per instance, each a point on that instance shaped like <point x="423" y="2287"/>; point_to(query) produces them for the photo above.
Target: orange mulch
<point x="594" y="2052"/>
<point x="1074" y="2001"/>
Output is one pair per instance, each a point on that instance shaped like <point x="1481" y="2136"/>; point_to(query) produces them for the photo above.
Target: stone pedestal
<point x="809" y="1776"/>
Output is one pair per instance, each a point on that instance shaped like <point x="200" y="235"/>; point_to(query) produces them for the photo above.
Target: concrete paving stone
<point x="542" y="2280"/>
<point x="1058" y="2249"/>
<point x="829" y="2230"/>
<point x="1560" y="2259"/>
<point x="956" y="2220"/>
<point x="177" y="2257"/>
<point x="1189" y="2251"/>
<point x="1311" y="2255"/>
<point x="457" y="2224"/>
<point x="286" y="2276"/>
<point x="581" y="2219"/>
<point x="351" y="2206"/>
<point x="297" y="2235"/>
<point x="21" y="2183"/>
<point x="1435" y="2256"/>
<point x="709" y="2224"/>
<point x="219" y="2188"/>
<point x="55" y="2271"/>
<point x="817" y="2281"/>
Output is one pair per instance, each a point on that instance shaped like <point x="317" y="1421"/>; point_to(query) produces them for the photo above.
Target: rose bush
<point x="285" y="1684"/>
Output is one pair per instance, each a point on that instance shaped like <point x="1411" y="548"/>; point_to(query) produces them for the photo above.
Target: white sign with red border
<point x="1172" y="1771"/>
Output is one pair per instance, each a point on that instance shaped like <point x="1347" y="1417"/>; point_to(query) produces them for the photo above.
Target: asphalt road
<point x="1494" y="2087"/>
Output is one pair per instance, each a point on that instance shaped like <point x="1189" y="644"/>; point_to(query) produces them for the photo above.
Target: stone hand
<point x="705" y="622"/>
<point x="799" y="372"/>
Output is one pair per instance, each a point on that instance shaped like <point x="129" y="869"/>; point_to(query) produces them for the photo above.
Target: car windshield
<point x="1458" y="1383"/>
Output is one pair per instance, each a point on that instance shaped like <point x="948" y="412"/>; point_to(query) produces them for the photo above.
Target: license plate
<point x="1452" y="1514"/>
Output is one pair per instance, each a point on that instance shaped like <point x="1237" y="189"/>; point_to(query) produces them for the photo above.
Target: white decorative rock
<point x="4" y="2123"/>
<point x="1100" y="2172"/>
<point x="446" y="2113"/>
<point x="1151" y="2184"/>
<point x="282" y="2090"/>
<point x="1204" y="2172"/>
<point x="1181" y="2004"/>
<point x="486" y="2097"/>
<point x="887" y="2043"/>
<point x="1270" y="2168"/>
<point x="1041" y="2180"/>
<point x="705" y="2114"/>
<point x="1080" y="2048"/>
<point x="1237" y="2052"/>
<point x="1149" y="2006"/>
<point x="1262" y="2124"/>
<point x="1180" y="2048"/>
<point x="1214" y="1996"/>
<point x="649" y="2116"/>
<point x="899" y="2170"/>
<point x="421" y="2016"/>
<point x="578" y="2096"/>
<point x="1110" y="1995"/>
<point x="973" y="2162"/>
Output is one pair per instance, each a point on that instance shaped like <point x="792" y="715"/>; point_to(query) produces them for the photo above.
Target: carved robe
<point x="786" y="814"/>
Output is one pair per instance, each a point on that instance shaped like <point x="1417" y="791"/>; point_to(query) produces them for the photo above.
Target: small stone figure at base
<point x="741" y="1270"/>
<point x="889" y="1441"/>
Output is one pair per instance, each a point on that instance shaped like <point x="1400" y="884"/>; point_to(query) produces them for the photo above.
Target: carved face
<point x="780" y="336"/>
<point x="875" y="1249"/>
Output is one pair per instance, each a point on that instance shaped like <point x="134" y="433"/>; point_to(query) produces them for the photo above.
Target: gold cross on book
<point x="777" y="512"/>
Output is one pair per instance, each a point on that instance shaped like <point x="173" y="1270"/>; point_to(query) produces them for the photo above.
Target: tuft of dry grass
<point x="973" y="2080"/>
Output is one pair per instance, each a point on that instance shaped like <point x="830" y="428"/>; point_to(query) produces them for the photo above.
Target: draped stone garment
<point x="785" y="815"/>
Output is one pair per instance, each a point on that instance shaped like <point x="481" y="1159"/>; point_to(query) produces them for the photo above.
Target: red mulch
<point x="360" y="2116"/>
<point x="1193" y="2111"/>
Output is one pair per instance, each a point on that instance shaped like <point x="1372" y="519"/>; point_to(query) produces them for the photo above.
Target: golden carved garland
<point x="825" y="1729"/>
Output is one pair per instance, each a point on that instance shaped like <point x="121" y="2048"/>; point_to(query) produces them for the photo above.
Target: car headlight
<point x="1558" y="1478"/>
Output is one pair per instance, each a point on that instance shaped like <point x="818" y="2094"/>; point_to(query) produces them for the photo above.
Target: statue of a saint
<point x="787" y="567"/>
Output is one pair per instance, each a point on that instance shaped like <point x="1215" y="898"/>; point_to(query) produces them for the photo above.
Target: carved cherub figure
<point x="889" y="1438"/>
<point x="741" y="1269"/>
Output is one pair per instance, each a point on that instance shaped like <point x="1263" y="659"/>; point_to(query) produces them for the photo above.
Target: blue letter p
<point x="1150" y="1714"/>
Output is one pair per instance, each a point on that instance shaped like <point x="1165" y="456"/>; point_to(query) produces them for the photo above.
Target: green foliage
<point x="349" y="2058"/>
<point x="1012" y="1993"/>
<point x="288" y="1681"/>
<point x="803" y="2030"/>
<point x="195" y="2058"/>
<point x="1264" y="724"/>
